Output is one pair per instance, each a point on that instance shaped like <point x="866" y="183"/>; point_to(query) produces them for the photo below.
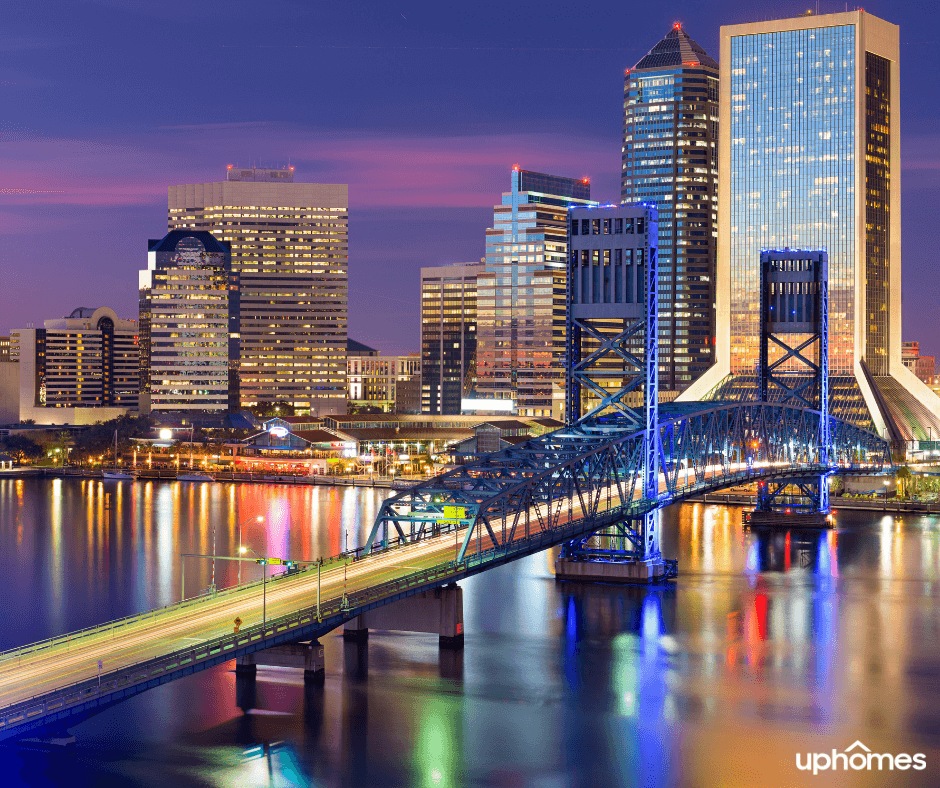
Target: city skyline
<point x="85" y="173"/>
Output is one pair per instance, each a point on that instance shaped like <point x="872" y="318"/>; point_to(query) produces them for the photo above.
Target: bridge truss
<point x="589" y="477"/>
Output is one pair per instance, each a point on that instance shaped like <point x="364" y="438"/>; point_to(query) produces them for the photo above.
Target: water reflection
<point x="771" y="642"/>
<point x="116" y="546"/>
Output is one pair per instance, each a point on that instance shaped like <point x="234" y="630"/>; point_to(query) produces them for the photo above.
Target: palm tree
<point x="903" y="475"/>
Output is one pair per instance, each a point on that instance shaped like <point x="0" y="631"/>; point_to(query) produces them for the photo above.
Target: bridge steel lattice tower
<point x="794" y="368"/>
<point x="612" y="371"/>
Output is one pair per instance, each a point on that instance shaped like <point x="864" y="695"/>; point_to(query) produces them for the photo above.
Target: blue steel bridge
<point x="558" y="489"/>
<point x="593" y="487"/>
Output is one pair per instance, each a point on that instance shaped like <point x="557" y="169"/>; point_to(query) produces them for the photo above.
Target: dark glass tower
<point x="448" y="336"/>
<point x="670" y="158"/>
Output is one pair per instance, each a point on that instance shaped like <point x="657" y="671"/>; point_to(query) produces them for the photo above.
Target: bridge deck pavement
<point x="70" y="663"/>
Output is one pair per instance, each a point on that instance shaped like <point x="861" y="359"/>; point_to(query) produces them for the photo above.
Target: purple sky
<point x="422" y="108"/>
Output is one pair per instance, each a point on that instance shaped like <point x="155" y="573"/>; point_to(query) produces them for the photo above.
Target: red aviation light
<point x="515" y="168"/>
<point x="229" y="167"/>
<point x="677" y="26"/>
<point x="585" y="180"/>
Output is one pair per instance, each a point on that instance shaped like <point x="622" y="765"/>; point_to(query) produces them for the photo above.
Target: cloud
<point x="382" y="171"/>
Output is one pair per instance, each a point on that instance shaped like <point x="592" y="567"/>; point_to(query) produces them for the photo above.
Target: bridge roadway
<point x="71" y="663"/>
<point x="54" y="682"/>
<point x="46" y="669"/>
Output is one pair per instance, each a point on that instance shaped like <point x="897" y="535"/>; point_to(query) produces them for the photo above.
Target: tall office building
<point x="188" y="325"/>
<point x="810" y="158"/>
<point x="448" y="336"/>
<point x="670" y="158"/>
<point x="521" y="294"/>
<point x="78" y="369"/>
<point x="290" y="252"/>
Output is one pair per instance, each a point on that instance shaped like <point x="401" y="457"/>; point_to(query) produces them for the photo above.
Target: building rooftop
<point x="171" y="239"/>
<point x="354" y="348"/>
<point x="507" y="424"/>
<point x="364" y="435"/>
<point x="547" y="422"/>
<point x="318" y="436"/>
<point x="676" y="49"/>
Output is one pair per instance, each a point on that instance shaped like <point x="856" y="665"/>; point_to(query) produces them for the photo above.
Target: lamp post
<point x="258" y="519"/>
<point x="884" y="505"/>
<point x="264" y="585"/>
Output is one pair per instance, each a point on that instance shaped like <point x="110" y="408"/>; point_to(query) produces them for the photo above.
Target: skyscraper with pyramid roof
<point x="670" y="157"/>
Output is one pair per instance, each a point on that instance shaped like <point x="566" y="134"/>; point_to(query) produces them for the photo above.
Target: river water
<point x="768" y="645"/>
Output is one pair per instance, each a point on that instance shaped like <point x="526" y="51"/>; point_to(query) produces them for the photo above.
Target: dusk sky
<point x="422" y="108"/>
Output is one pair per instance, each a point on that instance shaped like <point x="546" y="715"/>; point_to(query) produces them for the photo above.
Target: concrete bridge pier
<point x="625" y="552"/>
<point x="588" y="571"/>
<point x="437" y="612"/>
<point x="306" y="655"/>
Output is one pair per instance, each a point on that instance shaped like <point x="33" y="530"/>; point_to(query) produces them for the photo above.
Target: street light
<point x="258" y="519"/>
<point x="264" y="585"/>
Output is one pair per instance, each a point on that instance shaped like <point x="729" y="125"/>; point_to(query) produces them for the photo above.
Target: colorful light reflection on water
<point x="769" y="644"/>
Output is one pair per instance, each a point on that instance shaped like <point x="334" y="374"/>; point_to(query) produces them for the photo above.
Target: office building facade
<point x="448" y="336"/>
<point x="670" y="158"/>
<point x="389" y="383"/>
<point x="810" y="158"/>
<point x="290" y="252"/>
<point x="922" y="365"/>
<point x="78" y="369"/>
<point x="521" y="294"/>
<point x="189" y="331"/>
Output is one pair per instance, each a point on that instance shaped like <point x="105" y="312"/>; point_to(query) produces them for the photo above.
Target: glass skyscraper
<point x="521" y="294"/>
<point x="810" y="158"/>
<point x="448" y="335"/>
<point x="670" y="157"/>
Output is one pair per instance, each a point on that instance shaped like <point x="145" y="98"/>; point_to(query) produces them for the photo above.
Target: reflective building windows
<point x="877" y="220"/>
<point x="792" y="172"/>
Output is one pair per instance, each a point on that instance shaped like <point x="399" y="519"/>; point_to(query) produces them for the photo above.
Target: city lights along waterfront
<point x="814" y="639"/>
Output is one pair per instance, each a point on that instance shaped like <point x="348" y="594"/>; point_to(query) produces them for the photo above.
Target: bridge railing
<point x="76" y="637"/>
<point x="531" y="481"/>
<point x="333" y="611"/>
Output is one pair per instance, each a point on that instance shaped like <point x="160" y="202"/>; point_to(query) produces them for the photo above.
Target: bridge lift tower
<point x="612" y="373"/>
<point x="794" y="370"/>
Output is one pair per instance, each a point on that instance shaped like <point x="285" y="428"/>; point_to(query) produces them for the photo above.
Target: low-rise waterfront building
<point x="78" y="369"/>
<point x="390" y="383"/>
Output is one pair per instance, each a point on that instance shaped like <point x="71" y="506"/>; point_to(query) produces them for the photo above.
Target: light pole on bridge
<point x="264" y="583"/>
<point x="258" y="519"/>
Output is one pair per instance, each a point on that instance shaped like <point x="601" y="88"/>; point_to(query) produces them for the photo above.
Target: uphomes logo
<point x="859" y="758"/>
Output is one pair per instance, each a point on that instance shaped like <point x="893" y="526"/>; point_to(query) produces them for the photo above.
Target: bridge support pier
<point x="437" y="612"/>
<point x="593" y="571"/>
<point x="308" y="656"/>
<point x="798" y="502"/>
<point x="626" y="552"/>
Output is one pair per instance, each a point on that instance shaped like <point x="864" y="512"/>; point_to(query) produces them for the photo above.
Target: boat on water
<point x="194" y="477"/>
<point x="191" y="475"/>
<point x="116" y="474"/>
